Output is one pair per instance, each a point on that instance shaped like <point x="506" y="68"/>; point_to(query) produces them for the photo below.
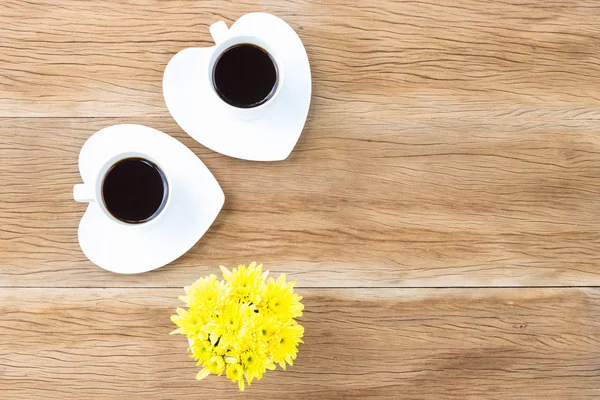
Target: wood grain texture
<point x="451" y="144"/>
<point x="436" y="203"/>
<point x="359" y="344"/>
<point x="370" y="58"/>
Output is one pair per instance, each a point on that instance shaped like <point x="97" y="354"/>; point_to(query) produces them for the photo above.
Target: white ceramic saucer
<point x="194" y="201"/>
<point x="265" y="133"/>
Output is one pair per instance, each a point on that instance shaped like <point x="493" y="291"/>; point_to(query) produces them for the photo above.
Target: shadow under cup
<point x="134" y="190"/>
<point x="245" y="75"/>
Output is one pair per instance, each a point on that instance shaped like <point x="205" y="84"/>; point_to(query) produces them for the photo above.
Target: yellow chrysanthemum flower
<point x="202" y="350"/>
<point x="255" y="362"/>
<point x="230" y="326"/>
<point x="242" y="325"/>
<point x="206" y="294"/>
<point x="235" y="372"/>
<point x="285" y="346"/>
<point x="263" y="329"/>
<point x="280" y="301"/>
<point x="246" y="283"/>
<point x="215" y="365"/>
<point x="189" y="321"/>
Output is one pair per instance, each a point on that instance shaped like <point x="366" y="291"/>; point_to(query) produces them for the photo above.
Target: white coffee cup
<point x="224" y="41"/>
<point x="267" y="131"/>
<point x="192" y="199"/>
<point x="92" y="192"/>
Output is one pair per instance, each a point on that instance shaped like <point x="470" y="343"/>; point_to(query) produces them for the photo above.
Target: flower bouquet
<point x="242" y="325"/>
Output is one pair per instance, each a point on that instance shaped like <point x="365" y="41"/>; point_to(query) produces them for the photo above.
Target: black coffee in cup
<point x="134" y="190"/>
<point x="245" y="76"/>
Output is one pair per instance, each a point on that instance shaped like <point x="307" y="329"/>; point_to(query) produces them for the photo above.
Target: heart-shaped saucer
<point x="193" y="201"/>
<point x="268" y="132"/>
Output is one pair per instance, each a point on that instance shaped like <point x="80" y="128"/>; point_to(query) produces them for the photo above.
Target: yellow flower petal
<point x="230" y="360"/>
<point x="249" y="314"/>
<point x="226" y="273"/>
<point x="203" y="374"/>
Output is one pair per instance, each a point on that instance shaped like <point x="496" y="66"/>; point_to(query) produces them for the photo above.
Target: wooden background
<point x="440" y="213"/>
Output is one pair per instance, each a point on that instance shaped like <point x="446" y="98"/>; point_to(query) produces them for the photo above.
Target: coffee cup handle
<point x="219" y="32"/>
<point x="82" y="193"/>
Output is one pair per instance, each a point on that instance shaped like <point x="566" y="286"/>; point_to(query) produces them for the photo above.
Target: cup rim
<point x="99" y="182"/>
<point x="237" y="40"/>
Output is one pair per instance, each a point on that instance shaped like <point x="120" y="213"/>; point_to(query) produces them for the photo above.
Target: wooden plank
<point x="359" y="344"/>
<point x="439" y="203"/>
<point x="370" y="59"/>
